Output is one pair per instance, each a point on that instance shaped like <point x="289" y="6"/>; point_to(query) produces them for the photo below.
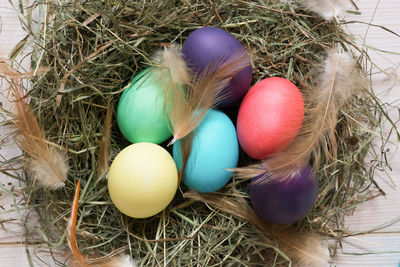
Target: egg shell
<point x="204" y="46"/>
<point x="284" y="202"/>
<point x="142" y="180"/>
<point x="214" y="149"/>
<point x="140" y="112"/>
<point x="270" y="117"/>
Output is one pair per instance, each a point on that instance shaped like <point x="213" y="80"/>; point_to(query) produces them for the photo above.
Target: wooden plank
<point x="386" y="208"/>
<point x="378" y="250"/>
<point x="12" y="255"/>
<point x="12" y="230"/>
<point x="382" y="249"/>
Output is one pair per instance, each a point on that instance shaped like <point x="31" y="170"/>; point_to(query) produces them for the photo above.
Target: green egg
<point x="140" y="112"/>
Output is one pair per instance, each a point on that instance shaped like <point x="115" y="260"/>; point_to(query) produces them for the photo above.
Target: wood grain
<point x="11" y="34"/>
<point x="12" y="255"/>
<point x="386" y="13"/>
<point x="380" y="249"/>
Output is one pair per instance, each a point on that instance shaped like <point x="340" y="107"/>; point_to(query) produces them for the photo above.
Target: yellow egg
<point x="142" y="180"/>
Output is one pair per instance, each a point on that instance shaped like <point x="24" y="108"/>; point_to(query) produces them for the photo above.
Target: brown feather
<point x="296" y="245"/>
<point x="71" y="230"/>
<point x="187" y="97"/>
<point x="204" y="92"/>
<point x="186" y="148"/>
<point x="318" y="252"/>
<point x="104" y="153"/>
<point x="171" y="69"/>
<point x="338" y="81"/>
<point x="78" y="259"/>
<point x="173" y="77"/>
<point x="46" y="165"/>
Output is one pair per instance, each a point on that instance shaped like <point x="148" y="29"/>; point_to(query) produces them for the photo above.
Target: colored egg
<point x="204" y="46"/>
<point x="142" y="180"/>
<point x="270" y="117"/>
<point x="284" y="202"/>
<point x="140" y="112"/>
<point x="214" y="149"/>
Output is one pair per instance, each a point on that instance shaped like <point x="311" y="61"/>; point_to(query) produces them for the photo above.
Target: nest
<point x="94" y="48"/>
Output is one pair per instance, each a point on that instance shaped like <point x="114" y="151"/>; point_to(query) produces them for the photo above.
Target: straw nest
<point x="94" y="48"/>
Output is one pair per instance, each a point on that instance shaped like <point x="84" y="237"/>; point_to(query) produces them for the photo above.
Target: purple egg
<point x="284" y="202"/>
<point x="207" y="44"/>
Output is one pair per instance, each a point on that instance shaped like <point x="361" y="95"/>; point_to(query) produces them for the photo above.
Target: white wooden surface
<point x="379" y="249"/>
<point x="382" y="248"/>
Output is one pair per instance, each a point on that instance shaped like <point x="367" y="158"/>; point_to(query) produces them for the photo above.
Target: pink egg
<point x="270" y="117"/>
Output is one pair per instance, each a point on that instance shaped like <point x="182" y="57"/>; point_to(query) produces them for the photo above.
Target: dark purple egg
<point x="284" y="202"/>
<point x="207" y="44"/>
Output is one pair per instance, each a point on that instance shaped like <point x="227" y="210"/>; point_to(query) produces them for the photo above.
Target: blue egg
<point x="215" y="148"/>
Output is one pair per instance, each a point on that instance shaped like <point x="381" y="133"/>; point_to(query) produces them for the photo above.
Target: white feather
<point x="172" y="65"/>
<point x="124" y="261"/>
<point x="327" y="9"/>
<point x="341" y="73"/>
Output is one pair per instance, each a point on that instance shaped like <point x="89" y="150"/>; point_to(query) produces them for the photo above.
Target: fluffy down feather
<point x="49" y="170"/>
<point x="327" y="9"/>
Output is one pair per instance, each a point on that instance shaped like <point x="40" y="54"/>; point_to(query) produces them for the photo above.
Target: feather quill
<point x="305" y="248"/>
<point x="186" y="148"/>
<point x="327" y="9"/>
<point x="80" y="260"/>
<point x="71" y="230"/>
<point x="104" y="153"/>
<point x="189" y="96"/>
<point x="339" y="79"/>
<point x="46" y="165"/>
